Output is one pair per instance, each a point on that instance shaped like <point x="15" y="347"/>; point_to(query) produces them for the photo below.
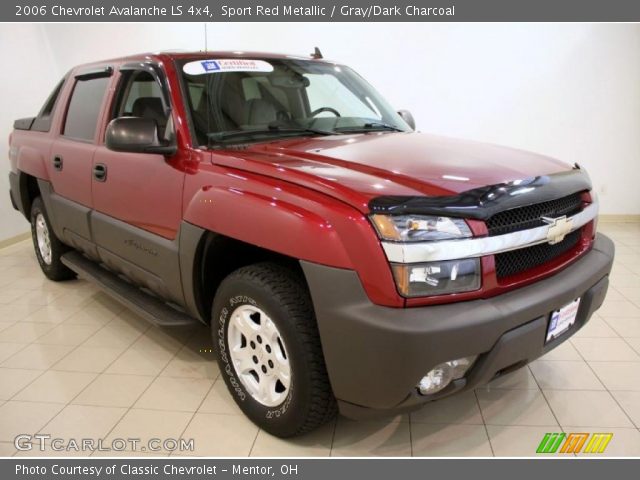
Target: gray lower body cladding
<point x="14" y="192"/>
<point x="376" y="355"/>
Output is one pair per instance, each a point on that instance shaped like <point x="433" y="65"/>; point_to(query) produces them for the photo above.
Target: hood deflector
<point x="481" y="203"/>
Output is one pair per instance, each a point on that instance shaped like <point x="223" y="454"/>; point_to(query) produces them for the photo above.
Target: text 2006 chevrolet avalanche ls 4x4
<point x="343" y="261"/>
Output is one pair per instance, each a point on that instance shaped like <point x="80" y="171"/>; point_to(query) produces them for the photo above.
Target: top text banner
<point x="319" y="11"/>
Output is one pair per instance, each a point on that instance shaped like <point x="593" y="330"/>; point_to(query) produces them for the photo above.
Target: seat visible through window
<point x="150" y="107"/>
<point x="142" y="97"/>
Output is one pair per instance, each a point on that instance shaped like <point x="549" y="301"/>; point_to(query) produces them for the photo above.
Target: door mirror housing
<point x="407" y="117"/>
<point x="136" y="135"/>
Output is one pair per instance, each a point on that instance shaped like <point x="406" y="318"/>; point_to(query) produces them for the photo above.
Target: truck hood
<point x="359" y="167"/>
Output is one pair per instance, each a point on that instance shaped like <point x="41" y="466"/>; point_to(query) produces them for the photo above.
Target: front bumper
<point x="376" y="355"/>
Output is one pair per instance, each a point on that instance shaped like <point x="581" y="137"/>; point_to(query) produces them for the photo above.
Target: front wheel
<point x="269" y="350"/>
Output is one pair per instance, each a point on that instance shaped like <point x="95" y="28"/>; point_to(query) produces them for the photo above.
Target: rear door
<point x="71" y="159"/>
<point x="137" y="197"/>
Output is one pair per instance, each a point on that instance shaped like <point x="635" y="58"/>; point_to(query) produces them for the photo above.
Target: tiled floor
<point x="75" y="364"/>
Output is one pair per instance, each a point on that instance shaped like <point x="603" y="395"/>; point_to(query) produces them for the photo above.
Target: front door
<point x="137" y="197"/>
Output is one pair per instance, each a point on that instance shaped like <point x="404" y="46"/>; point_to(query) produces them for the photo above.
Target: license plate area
<point x="561" y="320"/>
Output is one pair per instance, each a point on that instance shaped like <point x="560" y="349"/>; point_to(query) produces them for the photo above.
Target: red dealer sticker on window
<point x="201" y="67"/>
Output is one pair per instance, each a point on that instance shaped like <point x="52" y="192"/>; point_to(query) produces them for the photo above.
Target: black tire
<point x="282" y="294"/>
<point x="54" y="270"/>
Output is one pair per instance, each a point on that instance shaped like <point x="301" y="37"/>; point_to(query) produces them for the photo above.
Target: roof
<point x="179" y="55"/>
<point x="230" y="54"/>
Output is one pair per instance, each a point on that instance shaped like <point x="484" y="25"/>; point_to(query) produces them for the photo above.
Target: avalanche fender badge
<point x="201" y="67"/>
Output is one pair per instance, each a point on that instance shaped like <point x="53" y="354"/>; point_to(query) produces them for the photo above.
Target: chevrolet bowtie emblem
<point x="558" y="228"/>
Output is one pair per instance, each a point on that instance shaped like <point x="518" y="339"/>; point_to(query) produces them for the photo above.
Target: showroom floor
<point x="75" y="364"/>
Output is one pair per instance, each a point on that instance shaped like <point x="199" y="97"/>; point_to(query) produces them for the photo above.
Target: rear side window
<point x="42" y="123"/>
<point x="84" y="108"/>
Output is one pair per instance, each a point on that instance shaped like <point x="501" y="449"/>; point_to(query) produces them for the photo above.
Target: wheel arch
<point x="292" y="220"/>
<point x="207" y="257"/>
<point x="28" y="190"/>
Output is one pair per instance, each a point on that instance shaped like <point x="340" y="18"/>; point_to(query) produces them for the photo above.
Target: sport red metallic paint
<point x="286" y="217"/>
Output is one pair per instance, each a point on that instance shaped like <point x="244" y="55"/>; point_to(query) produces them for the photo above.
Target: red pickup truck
<point x="343" y="260"/>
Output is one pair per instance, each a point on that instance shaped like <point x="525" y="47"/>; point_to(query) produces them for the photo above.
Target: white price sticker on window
<point x="201" y="67"/>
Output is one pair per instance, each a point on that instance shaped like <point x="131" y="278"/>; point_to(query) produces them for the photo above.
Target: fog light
<point x="443" y="374"/>
<point x="436" y="379"/>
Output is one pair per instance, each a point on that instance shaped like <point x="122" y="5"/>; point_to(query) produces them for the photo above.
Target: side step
<point x="145" y="305"/>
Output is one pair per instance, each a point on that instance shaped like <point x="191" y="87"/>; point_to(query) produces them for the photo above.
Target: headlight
<point x="437" y="278"/>
<point x="434" y="278"/>
<point x="419" y="228"/>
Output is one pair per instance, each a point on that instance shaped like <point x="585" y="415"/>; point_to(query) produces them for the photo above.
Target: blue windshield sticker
<point x="211" y="65"/>
<point x="201" y="67"/>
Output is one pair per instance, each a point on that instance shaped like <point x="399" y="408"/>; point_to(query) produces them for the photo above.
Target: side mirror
<point x="135" y="135"/>
<point x="407" y="117"/>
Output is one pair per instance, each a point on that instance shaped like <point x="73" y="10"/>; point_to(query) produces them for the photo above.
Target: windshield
<point x="240" y="100"/>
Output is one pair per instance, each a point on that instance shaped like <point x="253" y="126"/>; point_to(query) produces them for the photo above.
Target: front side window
<point x="140" y="95"/>
<point x="84" y="108"/>
<point x="235" y="100"/>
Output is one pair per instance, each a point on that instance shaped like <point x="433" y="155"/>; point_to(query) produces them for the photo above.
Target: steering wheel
<point x="318" y="111"/>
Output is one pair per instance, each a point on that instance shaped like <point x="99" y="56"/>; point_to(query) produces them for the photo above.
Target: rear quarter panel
<point x="29" y="151"/>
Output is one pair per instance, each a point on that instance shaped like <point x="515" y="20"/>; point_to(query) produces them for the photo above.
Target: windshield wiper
<point x="274" y="130"/>
<point x="371" y="127"/>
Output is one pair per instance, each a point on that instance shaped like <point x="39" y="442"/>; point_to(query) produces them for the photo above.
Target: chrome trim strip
<point x="478" y="247"/>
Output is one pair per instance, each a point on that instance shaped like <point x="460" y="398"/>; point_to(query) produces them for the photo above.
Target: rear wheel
<point x="269" y="350"/>
<point x="47" y="246"/>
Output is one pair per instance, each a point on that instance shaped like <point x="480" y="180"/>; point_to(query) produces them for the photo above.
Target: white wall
<point x="26" y="80"/>
<point x="571" y="91"/>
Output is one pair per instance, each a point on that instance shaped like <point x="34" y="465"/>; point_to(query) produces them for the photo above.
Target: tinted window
<point x="47" y="108"/>
<point x="42" y="123"/>
<point x="84" y="108"/>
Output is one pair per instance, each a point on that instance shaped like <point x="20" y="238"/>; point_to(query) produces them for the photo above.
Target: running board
<point x="149" y="307"/>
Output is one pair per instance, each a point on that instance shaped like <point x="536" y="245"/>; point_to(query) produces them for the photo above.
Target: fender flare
<point x="281" y="226"/>
<point x="291" y="220"/>
<point x="32" y="162"/>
